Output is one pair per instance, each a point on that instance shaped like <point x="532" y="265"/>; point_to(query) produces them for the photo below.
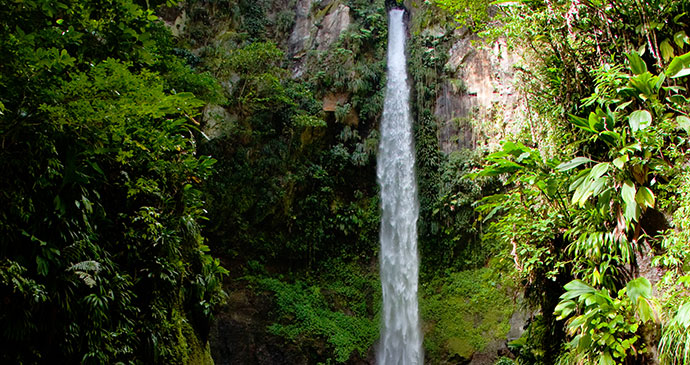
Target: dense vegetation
<point x="101" y="259"/>
<point x="130" y="154"/>
<point x="591" y="210"/>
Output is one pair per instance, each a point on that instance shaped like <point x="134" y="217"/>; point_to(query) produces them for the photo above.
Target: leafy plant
<point x="606" y="331"/>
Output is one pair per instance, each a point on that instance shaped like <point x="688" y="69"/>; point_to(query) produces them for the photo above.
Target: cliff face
<point x="478" y="105"/>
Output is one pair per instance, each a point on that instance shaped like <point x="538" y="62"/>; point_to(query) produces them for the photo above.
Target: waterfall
<point x="401" y="338"/>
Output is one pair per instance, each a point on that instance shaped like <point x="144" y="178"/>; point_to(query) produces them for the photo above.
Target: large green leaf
<point x="575" y="289"/>
<point x="599" y="186"/>
<point x="582" y="193"/>
<point x="628" y="192"/>
<point x="644" y="85"/>
<point x="645" y="310"/>
<point x="577" y="161"/>
<point x="645" y="197"/>
<point x="637" y="64"/>
<point x="679" y="67"/>
<point x="640" y="287"/>
<point x="565" y="309"/>
<point x="666" y="50"/>
<point x="599" y="170"/>
<point x="639" y="120"/>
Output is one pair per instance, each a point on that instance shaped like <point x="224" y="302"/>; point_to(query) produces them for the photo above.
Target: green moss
<point x="465" y="312"/>
<point x="460" y="346"/>
<point x="198" y="353"/>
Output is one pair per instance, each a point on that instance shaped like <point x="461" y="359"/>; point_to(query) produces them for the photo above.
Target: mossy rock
<point x="466" y="312"/>
<point x="461" y="347"/>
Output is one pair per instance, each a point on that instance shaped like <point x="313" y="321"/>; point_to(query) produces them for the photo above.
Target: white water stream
<point x="401" y="338"/>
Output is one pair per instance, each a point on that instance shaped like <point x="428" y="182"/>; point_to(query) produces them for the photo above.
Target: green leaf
<point x="583" y="192"/>
<point x="42" y="266"/>
<point x="680" y="66"/>
<point x="666" y="50"/>
<point x="564" y="309"/>
<point x="681" y="38"/>
<point x="639" y="120"/>
<point x="599" y="170"/>
<point x="599" y="186"/>
<point x="683" y="122"/>
<point x="640" y="287"/>
<point x="579" y="179"/>
<point x="610" y="137"/>
<point x="596" y="120"/>
<point x="577" y="161"/>
<point x="645" y="310"/>
<point x="643" y="84"/>
<point x="645" y="197"/>
<point x="575" y="289"/>
<point x="637" y="64"/>
<point x="628" y="192"/>
<point x="632" y="212"/>
<point x="580" y="122"/>
<point x="620" y="161"/>
<point x="660" y="81"/>
<point x="606" y="359"/>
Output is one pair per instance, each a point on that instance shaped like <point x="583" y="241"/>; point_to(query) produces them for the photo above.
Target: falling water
<point x="401" y="339"/>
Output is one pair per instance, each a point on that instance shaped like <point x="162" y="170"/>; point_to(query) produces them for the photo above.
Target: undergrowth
<point x="340" y="307"/>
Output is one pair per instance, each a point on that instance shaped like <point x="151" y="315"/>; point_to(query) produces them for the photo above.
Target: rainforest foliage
<point x="102" y="260"/>
<point x="592" y="213"/>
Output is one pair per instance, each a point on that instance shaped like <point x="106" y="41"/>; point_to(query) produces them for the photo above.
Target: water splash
<point x="401" y="338"/>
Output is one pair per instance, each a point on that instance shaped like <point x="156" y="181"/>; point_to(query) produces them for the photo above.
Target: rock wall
<point x="318" y="24"/>
<point x="478" y="105"/>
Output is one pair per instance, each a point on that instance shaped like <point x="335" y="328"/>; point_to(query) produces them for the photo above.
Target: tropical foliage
<point x="609" y="85"/>
<point x="102" y="260"/>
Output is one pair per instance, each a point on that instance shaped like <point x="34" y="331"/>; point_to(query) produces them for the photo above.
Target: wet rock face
<point x="239" y="335"/>
<point x="333" y="24"/>
<point x="318" y="24"/>
<point x="479" y="105"/>
<point x="301" y="33"/>
<point x="217" y="121"/>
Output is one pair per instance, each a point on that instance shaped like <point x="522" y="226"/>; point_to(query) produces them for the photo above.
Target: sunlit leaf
<point x="620" y="161"/>
<point x="599" y="169"/>
<point x="637" y="64"/>
<point x="639" y="120"/>
<point x="577" y="161"/>
<point x="683" y="122"/>
<point x="640" y="287"/>
<point x="580" y="122"/>
<point x="679" y="67"/>
<point x="564" y="309"/>
<point x="575" y="289"/>
<point x="666" y="50"/>
<point x="645" y="197"/>
<point x="645" y="310"/>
